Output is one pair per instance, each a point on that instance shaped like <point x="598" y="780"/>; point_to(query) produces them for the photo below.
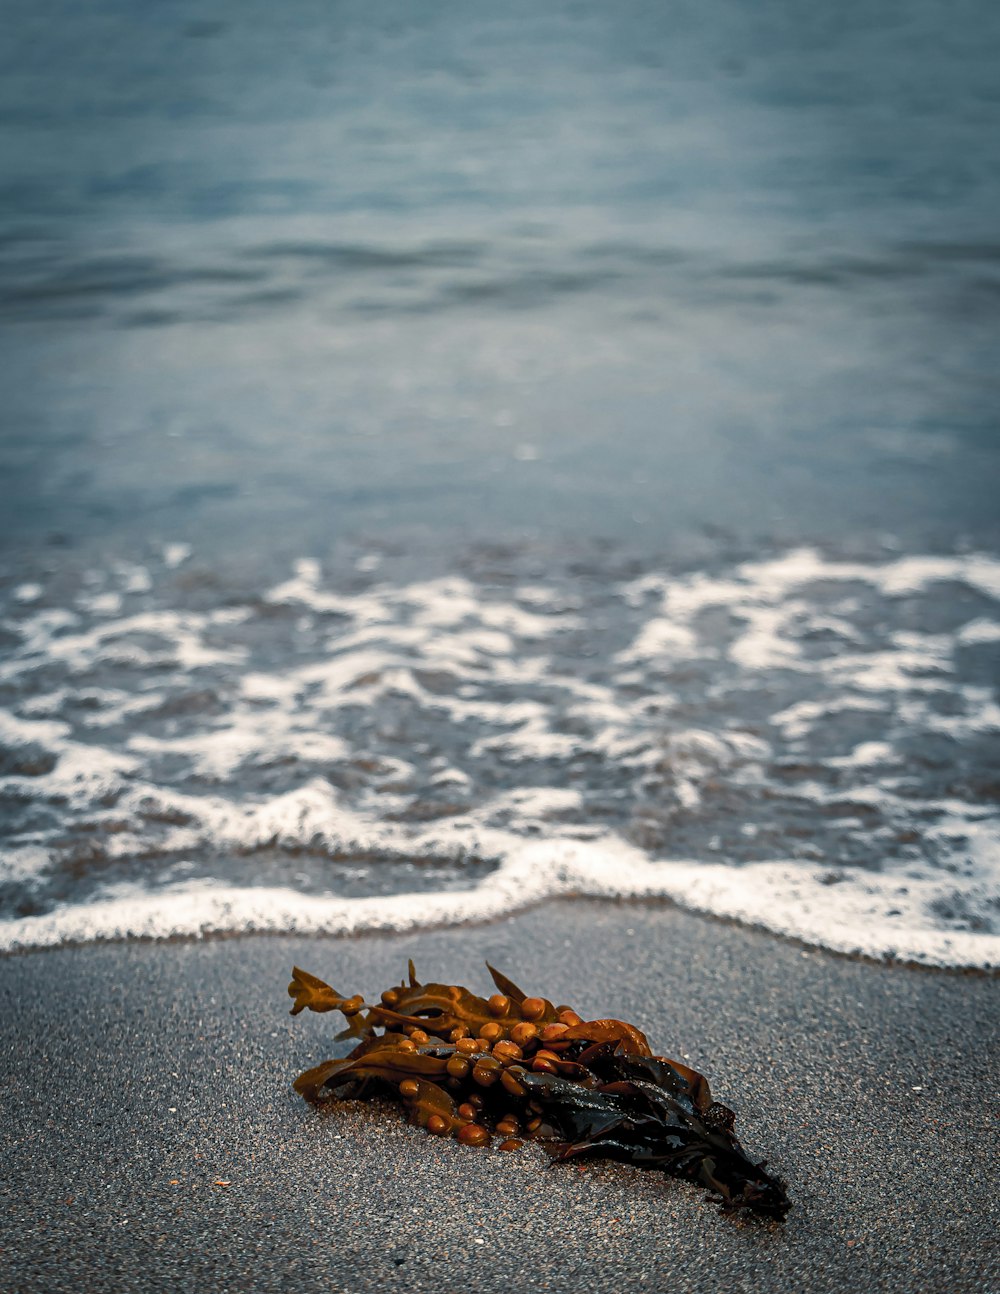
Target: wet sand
<point x="151" y="1140"/>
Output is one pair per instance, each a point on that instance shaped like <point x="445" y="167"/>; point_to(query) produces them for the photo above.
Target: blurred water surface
<point x="270" y="275"/>
<point x="456" y="454"/>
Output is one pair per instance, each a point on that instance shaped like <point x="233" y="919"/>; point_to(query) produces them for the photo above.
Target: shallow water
<point x="630" y="373"/>
<point x="803" y="743"/>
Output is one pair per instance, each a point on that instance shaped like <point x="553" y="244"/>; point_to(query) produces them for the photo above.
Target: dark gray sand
<point x="151" y="1140"/>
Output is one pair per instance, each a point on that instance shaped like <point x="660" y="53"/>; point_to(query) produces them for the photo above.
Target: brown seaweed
<point x="518" y="1067"/>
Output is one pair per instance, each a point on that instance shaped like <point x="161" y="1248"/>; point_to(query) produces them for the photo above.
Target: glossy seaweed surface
<point x="519" y="1067"/>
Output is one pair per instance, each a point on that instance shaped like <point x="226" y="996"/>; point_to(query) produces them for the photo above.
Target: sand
<point x="151" y="1140"/>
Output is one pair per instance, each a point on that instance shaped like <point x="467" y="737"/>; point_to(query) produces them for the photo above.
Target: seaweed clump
<point x="518" y="1067"/>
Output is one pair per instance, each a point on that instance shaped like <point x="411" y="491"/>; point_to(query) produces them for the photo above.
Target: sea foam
<point x="803" y="744"/>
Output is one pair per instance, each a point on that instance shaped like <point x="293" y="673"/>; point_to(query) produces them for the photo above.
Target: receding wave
<point x="804" y="744"/>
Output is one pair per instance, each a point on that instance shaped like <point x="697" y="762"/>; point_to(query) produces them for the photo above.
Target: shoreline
<point x="140" y="1077"/>
<point x="617" y="773"/>
<point x="484" y="923"/>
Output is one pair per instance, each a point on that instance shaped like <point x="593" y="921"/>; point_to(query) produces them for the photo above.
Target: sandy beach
<point x="151" y="1139"/>
<point x="528" y="466"/>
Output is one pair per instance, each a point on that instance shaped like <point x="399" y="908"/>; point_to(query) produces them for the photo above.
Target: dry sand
<point x="151" y="1140"/>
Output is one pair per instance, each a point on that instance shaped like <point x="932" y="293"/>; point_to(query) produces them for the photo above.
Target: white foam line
<point x="786" y="898"/>
<point x="979" y="631"/>
<point x="760" y="597"/>
<point x="180" y="632"/>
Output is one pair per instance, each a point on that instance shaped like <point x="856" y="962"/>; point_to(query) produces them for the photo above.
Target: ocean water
<point x="456" y="457"/>
<point x="806" y="744"/>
